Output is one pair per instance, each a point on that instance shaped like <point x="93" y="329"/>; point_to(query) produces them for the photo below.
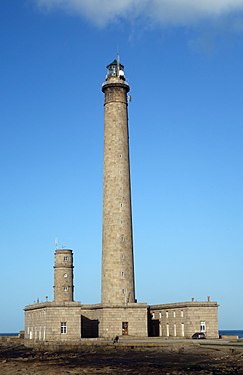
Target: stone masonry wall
<point x="43" y="323"/>
<point x="184" y="319"/>
<point x="113" y="317"/>
<point x="207" y="314"/>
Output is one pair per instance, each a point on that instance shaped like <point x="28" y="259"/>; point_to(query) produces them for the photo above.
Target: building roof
<point x="114" y="62"/>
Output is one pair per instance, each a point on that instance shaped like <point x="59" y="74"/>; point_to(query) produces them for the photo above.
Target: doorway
<point x="124" y="328"/>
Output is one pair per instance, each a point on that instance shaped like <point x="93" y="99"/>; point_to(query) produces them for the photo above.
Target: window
<point x="63" y="327"/>
<point x="123" y="291"/>
<point x="182" y="313"/>
<point x="167" y="314"/>
<point x="65" y="258"/>
<point x="65" y="288"/>
<point x="174" y="329"/>
<point x="203" y="327"/>
<point x="112" y="71"/>
<point x="167" y="330"/>
<point x="122" y="274"/>
<point x="182" y="330"/>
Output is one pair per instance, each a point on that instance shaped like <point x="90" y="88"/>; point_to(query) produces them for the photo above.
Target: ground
<point x="172" y="358"/>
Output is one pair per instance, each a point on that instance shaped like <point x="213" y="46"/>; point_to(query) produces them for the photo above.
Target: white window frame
<point x="167" y="330"/>
<point x="175" y="329"/>
<point x="63" y="328"/>
<point x="182" y="329"/>
<point x="203" y="326"/>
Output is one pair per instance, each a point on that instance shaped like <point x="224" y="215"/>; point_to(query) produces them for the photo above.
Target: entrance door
<point x="124" y="328"/>
<point x="154" y="328"/>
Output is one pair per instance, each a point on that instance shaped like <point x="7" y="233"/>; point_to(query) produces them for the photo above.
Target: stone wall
<point x="47" y="321"/>
<point x="71" y="321"/>
<point x="113" y="317"/>
<point x="184" y="319"/>
<point x="44" y="321"/>
<point x="207" y="314"/>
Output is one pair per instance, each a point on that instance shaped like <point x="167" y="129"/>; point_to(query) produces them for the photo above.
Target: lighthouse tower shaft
<point x="117" y="242"/>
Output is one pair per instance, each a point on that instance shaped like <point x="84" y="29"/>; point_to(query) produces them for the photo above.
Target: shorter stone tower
<point x="63" y="276"/>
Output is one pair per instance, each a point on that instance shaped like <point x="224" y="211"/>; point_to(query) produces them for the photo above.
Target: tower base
<point x="124" y="320"/>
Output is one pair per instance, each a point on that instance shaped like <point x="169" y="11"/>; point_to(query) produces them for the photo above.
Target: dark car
<point x="199" y="335"/>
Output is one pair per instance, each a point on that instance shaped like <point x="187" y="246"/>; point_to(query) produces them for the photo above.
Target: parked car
<point x="199" y="335"/>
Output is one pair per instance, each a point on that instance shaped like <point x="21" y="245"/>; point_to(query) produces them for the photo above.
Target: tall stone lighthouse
<point x="121" y="314"/>
<point x="117" y="243"/>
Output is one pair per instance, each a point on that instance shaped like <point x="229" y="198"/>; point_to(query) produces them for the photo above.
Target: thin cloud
<point x="164" y="12"/>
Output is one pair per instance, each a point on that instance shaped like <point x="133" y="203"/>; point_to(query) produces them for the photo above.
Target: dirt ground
<point x="168" y="360"/>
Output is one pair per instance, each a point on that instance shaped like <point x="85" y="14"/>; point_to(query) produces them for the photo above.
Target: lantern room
<point x="115" y="69"/>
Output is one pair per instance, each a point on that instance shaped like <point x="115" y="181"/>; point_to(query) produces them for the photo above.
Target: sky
<point x="183" y="61"/>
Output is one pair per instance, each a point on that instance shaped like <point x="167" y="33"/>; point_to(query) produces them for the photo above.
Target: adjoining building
<point x="183" y="319"/>
<point x="118" y="313"/>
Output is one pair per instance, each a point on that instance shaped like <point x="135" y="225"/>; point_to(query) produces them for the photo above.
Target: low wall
<point x="15" y="340"/>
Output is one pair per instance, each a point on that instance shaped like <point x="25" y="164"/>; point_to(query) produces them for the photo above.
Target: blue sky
<point x="184" y="65"/>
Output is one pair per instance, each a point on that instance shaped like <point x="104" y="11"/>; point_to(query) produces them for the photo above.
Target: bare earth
<point x="167" y="359"/>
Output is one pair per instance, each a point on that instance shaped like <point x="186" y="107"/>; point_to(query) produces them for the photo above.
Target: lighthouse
<point x="120" y="314"/>
<point x="117" y="241"/>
